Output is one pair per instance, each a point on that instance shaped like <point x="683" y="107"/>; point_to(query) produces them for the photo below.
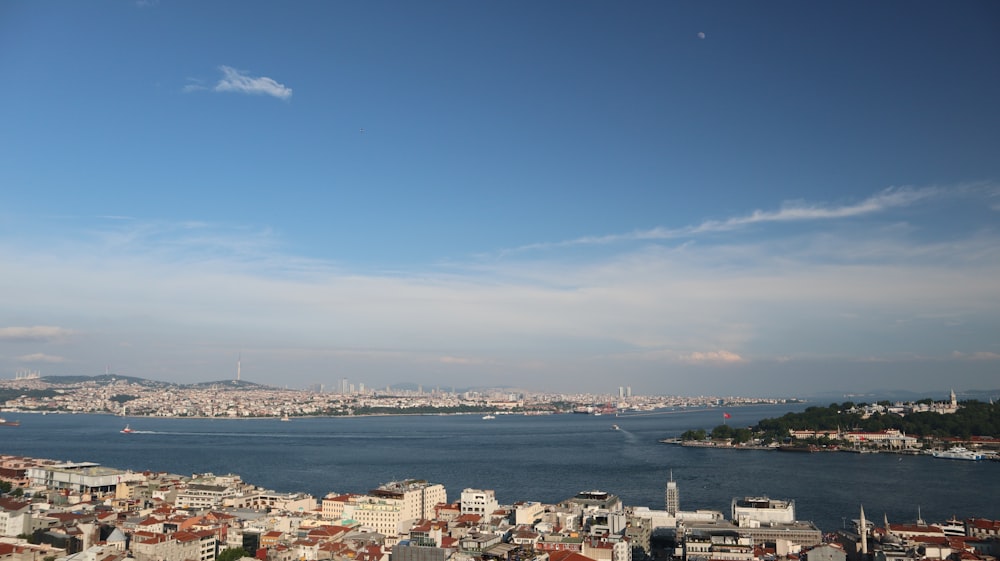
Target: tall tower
<point x="863" y="530"/>
<point x="671" y="498"/>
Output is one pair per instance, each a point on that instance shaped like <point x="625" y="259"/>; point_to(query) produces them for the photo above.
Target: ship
<point x="488" y="417"/>
<point x="126" y="430"/>
<point x="6" y="423"/>
<point x="958" y="453"/>
<point x="615" y="427"/>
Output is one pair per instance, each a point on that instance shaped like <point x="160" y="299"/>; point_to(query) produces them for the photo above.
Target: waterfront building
<point x="891" y="438"/>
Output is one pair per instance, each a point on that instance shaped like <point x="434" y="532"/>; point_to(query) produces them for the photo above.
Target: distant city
<point x="30" y="392"/>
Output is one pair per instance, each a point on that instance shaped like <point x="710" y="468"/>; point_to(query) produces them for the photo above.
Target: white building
<point x="478" y="501"/>
<point x="755" y="511"/>
<point x="83" y="477"/>
<point x="15" y="517"/>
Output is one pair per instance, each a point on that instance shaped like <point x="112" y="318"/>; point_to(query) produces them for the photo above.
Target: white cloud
<point x="234" y="80"/>
<point x="458" y="360"/>
<point x="41" y="357"/>
<point x="159" y="293"/>
<point x="893" y="197"/>
<point x="716" y="357"/>
<point x="978" y="355"/>
<point x="37" y="333"/>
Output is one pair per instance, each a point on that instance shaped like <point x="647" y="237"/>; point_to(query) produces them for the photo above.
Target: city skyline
<point x="766" y="199"/>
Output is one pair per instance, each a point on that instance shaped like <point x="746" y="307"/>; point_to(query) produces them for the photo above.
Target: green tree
<point x="742" y="435"/>
<point x="694" y="435"/>
<point x="722" y="432"/>
<point x="5" y="487"/>
<point x="231" y="554"/>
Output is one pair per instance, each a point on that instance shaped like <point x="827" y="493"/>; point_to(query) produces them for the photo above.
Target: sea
<point x="545" y="458"/>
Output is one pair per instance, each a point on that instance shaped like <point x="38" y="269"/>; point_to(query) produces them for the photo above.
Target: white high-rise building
<point x="672" y="497"/>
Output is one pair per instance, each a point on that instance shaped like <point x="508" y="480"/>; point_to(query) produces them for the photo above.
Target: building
<point x="528" y="512"/>
<point x="15" y="517"/>
<point x="596" y="500"/>
<point x="82" y="477"/>
<point x="478" y="501"/>
<point x="671" y="497"/>
<point x="762" y="510"/>
<point x="386" y="508"/>
<point x="418" y="497"/>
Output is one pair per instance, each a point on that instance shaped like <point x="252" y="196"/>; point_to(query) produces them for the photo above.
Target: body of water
<point x="540" y="458"/>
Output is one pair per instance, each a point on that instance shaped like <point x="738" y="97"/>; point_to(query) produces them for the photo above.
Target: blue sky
<point x="769" y="198"/>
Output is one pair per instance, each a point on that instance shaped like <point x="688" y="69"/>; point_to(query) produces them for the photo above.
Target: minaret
<point x="954" y="400"/>
<point x="672" y="498"/>
<point x="863" y="530"/>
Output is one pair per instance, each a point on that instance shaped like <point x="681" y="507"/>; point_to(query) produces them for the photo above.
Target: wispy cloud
<point x="34" y="334"/>
<point x="979" y="355"/>
<point x="238" y="81"/>
<point x="41" y="357"/>
<point x="790" y="211"/>
<point x="715" y="357"/>
<point x="151" y="292"/>
<point x="458" y="360"/>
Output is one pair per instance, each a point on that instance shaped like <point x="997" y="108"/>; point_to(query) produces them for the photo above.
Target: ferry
<point x="958" y="453"/>
<point x="489" y="417"/>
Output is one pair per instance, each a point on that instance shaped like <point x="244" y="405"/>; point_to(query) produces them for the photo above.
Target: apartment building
<point x="478" y="501"/>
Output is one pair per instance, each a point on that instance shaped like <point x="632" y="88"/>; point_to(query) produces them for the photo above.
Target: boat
<point x="958" y="453"/>
<point x="285" y="417"/>
<point x="6" y="423"/>
<point x="487" y="417"/>
<point x="615" y="427"/>
<point x="127" y="430"/>
<point x="953" y="527"/>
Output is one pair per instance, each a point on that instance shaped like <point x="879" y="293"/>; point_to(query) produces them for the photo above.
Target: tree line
<point x="973" y="418"/>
